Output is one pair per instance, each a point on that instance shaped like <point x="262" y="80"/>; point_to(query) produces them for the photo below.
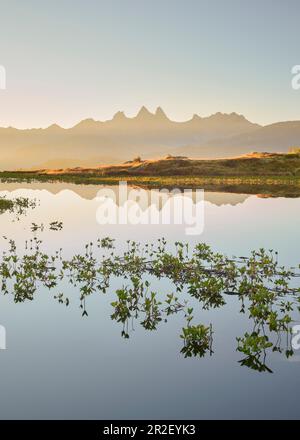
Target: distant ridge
<point x="148" y="134"/>
<point x="144" y="114"/>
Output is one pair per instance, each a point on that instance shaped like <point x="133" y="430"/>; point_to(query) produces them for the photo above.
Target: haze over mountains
<point x="149" y="135"/>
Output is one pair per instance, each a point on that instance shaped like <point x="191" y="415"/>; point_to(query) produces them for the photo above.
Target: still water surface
<point x="60" y="365"/>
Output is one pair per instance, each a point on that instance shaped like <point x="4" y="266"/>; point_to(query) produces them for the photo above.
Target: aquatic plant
<point x="197" y="340"/>
<point x="266" y="291"/>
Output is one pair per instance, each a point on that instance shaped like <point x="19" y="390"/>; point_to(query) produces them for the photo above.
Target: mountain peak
<point x="87" y="123"/>
<point x="144" y="113"/>
<point x="119" y="116"/>
<point x="54" y="127"/>
<point x="196" y="117"/>
<point x="227" y="116"/>
<point x="159" y="113"/>
<point x="237" y="116"/>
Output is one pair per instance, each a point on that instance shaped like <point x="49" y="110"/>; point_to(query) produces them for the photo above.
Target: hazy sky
<point x="67" y="60"/>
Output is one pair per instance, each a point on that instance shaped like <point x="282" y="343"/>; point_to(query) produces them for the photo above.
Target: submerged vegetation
<point x="198" y="279"/>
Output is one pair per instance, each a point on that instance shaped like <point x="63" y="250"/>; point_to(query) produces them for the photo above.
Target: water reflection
<point x="81" y="368"/>
<point x="264" y="289"/>
<point x="17" y="206"/>
<point x="89" y="192"/>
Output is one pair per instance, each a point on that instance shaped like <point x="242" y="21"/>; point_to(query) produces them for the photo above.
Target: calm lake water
<point x="61" y="365"/>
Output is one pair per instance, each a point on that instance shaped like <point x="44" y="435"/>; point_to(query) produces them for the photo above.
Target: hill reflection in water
<point x="89" y="192"/>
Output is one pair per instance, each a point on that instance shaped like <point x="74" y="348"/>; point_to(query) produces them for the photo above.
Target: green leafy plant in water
<point x="197" y="340"/>
<point x="254" y="346"/>
<point x="258" y="282"/>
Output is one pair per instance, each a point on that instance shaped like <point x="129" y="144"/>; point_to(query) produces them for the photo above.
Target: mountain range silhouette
<point x="149" y="135"/>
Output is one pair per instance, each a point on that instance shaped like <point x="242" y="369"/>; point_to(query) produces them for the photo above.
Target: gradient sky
<point x="68" y="60"/>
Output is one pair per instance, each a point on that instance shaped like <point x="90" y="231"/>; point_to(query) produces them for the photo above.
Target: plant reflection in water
<point x="266" y="291"/>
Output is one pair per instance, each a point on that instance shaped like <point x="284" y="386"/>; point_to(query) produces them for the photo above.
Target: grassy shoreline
<point x="257" y="173"/>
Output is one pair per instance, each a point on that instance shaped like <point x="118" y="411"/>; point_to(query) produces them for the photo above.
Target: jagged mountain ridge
<point x="147" y="134"/>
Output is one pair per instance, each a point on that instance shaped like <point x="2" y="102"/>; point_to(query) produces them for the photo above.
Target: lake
<point x="60" y="365"/>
